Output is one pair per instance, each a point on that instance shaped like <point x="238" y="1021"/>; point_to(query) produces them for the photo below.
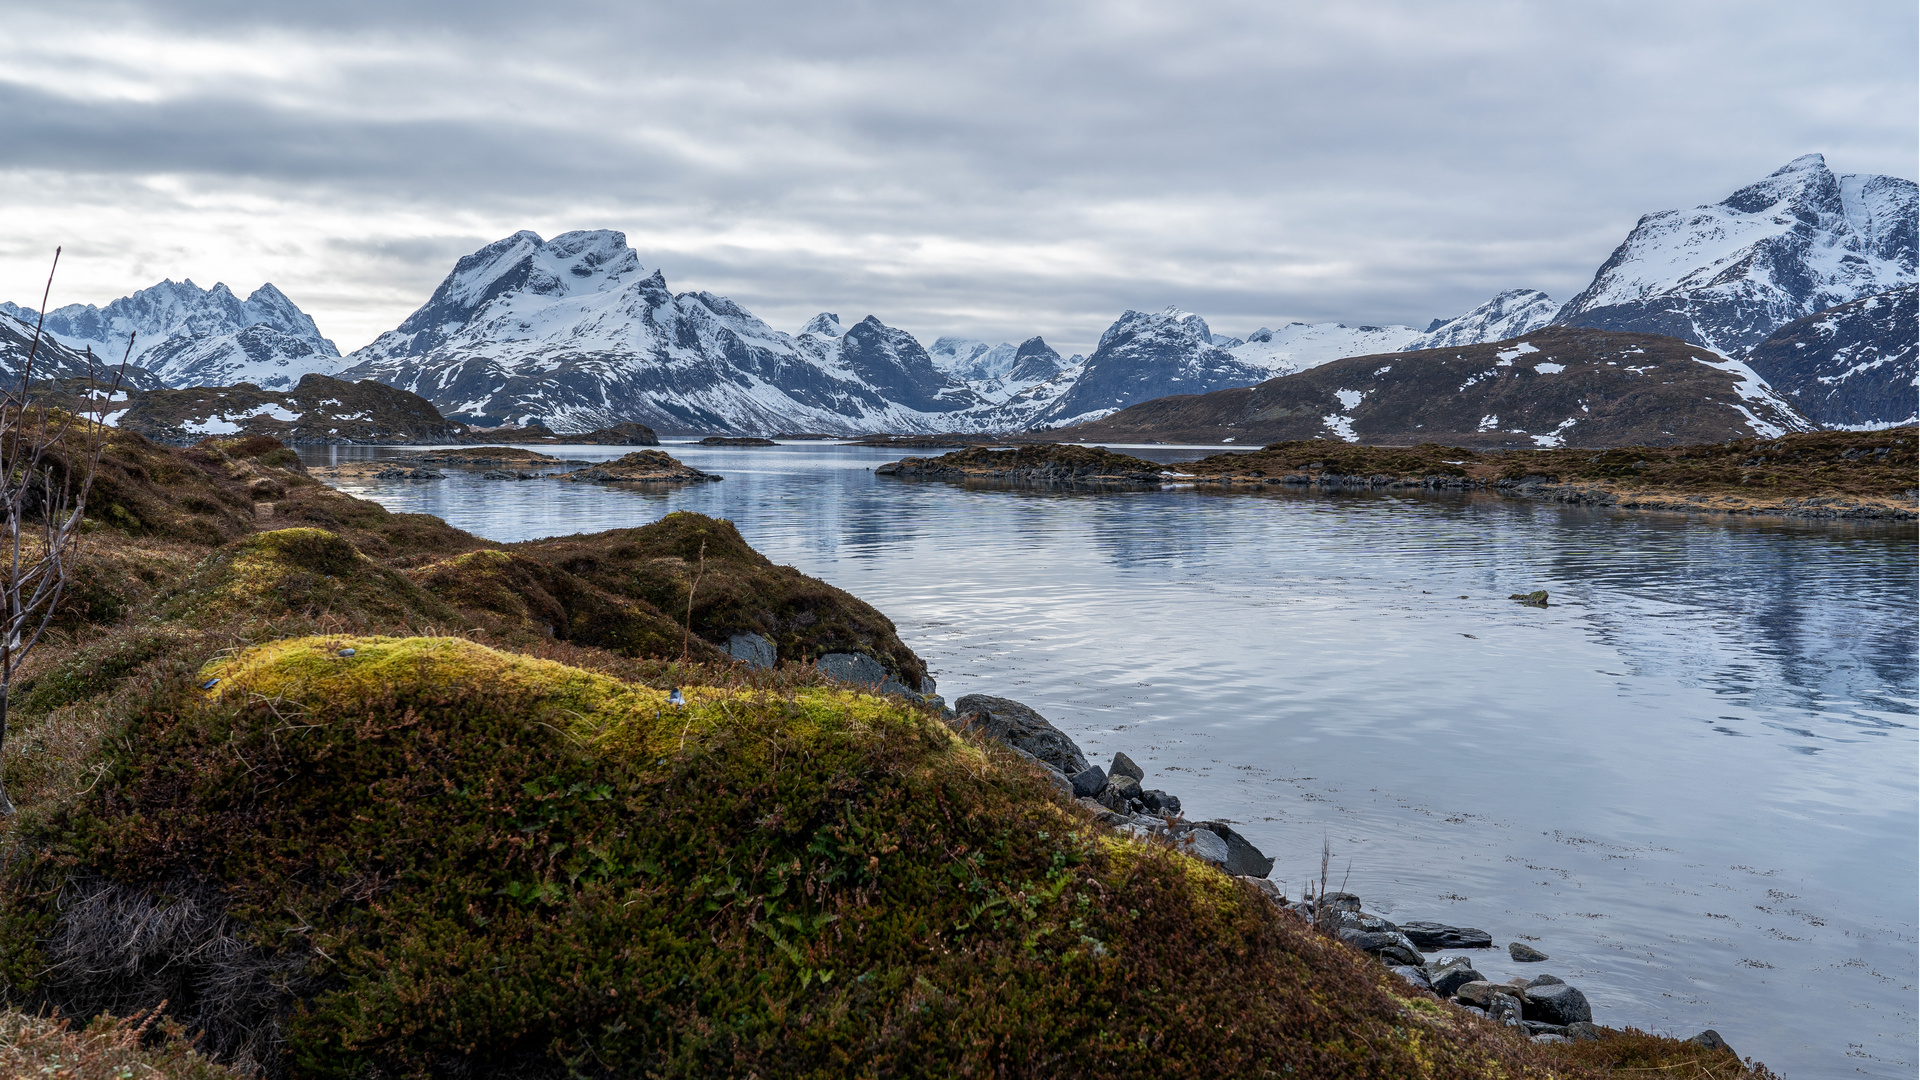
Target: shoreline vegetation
<point x="1827" y="474"/>
<point x="336" y="791"/>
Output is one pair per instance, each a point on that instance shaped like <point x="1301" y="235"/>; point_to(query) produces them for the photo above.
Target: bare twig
<point x="686" y="639"/>
<point x="43" y="502"/>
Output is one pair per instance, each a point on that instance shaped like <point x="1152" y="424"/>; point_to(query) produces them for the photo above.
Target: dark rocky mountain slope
<point x="317" y="410"/>
<point x="1555" y="387"/>
<point x="1853" y="366"/>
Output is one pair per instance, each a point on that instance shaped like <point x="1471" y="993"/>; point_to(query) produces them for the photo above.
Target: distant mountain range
<point x="575" y="333"/>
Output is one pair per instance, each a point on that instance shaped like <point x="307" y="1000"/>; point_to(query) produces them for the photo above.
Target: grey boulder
<point x="1124" y="766"/>
<point x="1159" y="802"/>
<point x="1558" y="1003"/>
<point x="1525" y="954"/>
<point x="1203" y="844"/>
<point x="1584" y="1031"/>
<point x="1413" y="975"/>
<point x="1017" y="725"/>
<point x="1089" y="782"/>
<point x="1389" y="946"/>
<point x="1242" y="856"/>
<point x="1448" y="976"/>
<point x="1711" y="1040"/>
<point x="1123" y="786"/>
<point x="866" y="671"/>
<point x="756" y="650"/>
<point x="1506" y="1009"/>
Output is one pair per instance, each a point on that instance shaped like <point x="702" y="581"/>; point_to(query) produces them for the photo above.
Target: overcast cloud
<point x="984" y="168"/>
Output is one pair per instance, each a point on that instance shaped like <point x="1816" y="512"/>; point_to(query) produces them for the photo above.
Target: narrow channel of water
<point x="1691" y="781"/>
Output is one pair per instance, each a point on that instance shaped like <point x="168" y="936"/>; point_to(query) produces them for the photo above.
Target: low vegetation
<point x="356" y="794"/>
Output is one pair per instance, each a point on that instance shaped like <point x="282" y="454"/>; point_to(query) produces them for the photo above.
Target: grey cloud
<point x="1373" y="162"/>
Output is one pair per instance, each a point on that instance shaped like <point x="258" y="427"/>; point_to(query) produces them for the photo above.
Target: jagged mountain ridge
<point x="1144" y="356"/>
<point x="1852" y="366"/>
<point x="187" y="335"/>
<point x="1508" y="315"/>
<point x="55" y="361"/>
<point x="1560" y="386"/>
<point x="1725" y="276"/>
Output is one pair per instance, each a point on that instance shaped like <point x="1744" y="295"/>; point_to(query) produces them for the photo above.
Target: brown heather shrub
<point x="107" y="1048"/>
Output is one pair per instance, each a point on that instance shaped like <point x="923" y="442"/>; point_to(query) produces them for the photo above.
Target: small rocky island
<point x="640" y="467"/>
<point x="1064" y="464"/>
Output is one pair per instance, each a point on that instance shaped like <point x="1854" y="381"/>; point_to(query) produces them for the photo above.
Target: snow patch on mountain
<point x="1508" y="315"/>
<point x="1297" y="346"/>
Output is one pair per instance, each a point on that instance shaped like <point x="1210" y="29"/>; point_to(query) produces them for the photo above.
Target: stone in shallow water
<point x="1525" y="954"/>
<point x="1433" y="935"/>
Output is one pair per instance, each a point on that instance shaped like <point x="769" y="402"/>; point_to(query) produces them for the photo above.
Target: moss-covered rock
<point x="307" y="572"/>
<point x="465" y="861"/>
<point x="739" y="591"/>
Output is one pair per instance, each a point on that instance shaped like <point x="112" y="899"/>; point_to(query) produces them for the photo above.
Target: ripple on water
<point x="1690" y="780"/>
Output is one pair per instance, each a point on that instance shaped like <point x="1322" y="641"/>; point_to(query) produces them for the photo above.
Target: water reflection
<point x="1691" y="779"/>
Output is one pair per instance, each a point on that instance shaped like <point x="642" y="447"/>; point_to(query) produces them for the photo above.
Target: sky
<point x="985" y="169"/>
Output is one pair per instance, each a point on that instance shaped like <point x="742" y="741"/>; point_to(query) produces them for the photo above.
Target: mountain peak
<point x="825" y="324"/>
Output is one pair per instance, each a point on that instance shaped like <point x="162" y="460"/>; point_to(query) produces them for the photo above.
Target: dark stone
<point x="1448" y="976"/>
<point x="1558" y="1003"/>
<point x="1545" y="980"/>
<point x="853" y="668"/>
<point x="1711" y="1040"/>
<point x="1413" y="975"/>
<point x="1203" y="844"/>
<point x="755" y="649"/>
<point x="1535" y="1027"/>
<point x="1267" y="889"/>
<point x="1126" y="787"/>
<point x="1536" y="598"/>
<point x="1090" y="782"/>
<point x="1477" y="992"/>
<point x="1017" y="725"/>
<point x="1124" y="766"/>
<point x="1112" y="801"/>
<point x="1583" y="1031"/>
<point x="1392" y="947"/>
<point x="1160" y="802"/>
<point x="1242" y="856"/>
<point x="1433" y="935"/>
<point x="1341" y="901"/>
<point x="1506" y="1009"/>
<point x="1525" y="954"/>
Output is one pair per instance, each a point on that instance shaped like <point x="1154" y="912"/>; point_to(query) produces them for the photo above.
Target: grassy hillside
<point x="359" y="795"/>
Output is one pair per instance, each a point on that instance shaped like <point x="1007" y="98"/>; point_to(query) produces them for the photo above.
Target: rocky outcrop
<point x="1041" y="465"/>
<point x="640" y="467"/>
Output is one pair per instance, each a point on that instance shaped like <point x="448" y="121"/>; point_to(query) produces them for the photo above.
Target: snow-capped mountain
<point x="188" y="335"/>
<point x="574" y="333"/>
<point x="1144" y="356"/>
<point x="1727" y="275"/>
<point x="1852" y="366"/>
<point x="52" y="360"/>
<point x="998" y="373"/>
<point x="1508" y="315"/>
<point x="1298" y="346"/>
<point x="971" y="360"/>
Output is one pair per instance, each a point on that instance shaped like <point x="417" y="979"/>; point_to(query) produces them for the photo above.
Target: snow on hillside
<point x="1298" y="346"/>
<point x="1508" y="315"/>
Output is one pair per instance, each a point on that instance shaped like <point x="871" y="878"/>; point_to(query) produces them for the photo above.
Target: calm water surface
<point x="1692" y="781"/>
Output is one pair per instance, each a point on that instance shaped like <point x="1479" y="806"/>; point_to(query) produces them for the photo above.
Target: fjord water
<point x="1691" y="781"/>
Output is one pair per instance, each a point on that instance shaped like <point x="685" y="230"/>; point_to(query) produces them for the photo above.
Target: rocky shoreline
<point x="1546" y="1008"/>
<point x="516" y="463"/>
<point x="1818" y="475"/>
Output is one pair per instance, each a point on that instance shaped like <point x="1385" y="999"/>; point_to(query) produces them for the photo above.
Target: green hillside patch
<point x="452" y="859"/>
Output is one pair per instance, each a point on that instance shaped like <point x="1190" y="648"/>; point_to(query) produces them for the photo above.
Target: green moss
<point x="739" y="590"/>
<point x="308" y="572"/>
<point x="492" y="864"/>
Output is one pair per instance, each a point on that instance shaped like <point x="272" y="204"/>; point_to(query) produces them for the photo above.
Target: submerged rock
<point x="1433" y="935"/>
<point x="1536" y="598"/>
<point x="1525" y="954"/>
